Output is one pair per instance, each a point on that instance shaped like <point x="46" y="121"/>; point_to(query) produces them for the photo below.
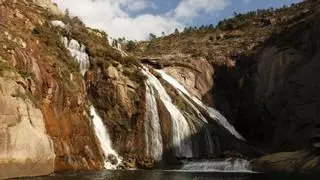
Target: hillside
<point x="231" y="38"/>
<point x="73" y="101"/>
<point x="236" y="50"/>
<point x="44" y="96"/>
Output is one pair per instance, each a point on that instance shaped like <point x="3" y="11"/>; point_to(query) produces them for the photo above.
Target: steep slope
<point x="263" y="47"/>
<point x="45" y="122"/>
<point x="285" y="91"/>
<point x="258" y="69"/>
<point x="61" y="70"/>
<point x="71" y="101"/>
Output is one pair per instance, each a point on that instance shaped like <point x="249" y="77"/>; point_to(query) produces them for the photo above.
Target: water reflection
<point x="165" y="175"/>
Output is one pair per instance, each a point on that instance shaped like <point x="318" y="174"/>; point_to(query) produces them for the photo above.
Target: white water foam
<point x="104" y="139"/>
<point x="227" y="165"/>
<point x="153" y="137"/>
<point x="116" y="45"/>
<point x="78" y="51"/>
<point x="180" y="127"/>
<point x="214" y="114"/>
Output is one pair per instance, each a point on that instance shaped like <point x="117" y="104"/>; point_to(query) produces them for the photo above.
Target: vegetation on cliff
<point x="260" y="79"/>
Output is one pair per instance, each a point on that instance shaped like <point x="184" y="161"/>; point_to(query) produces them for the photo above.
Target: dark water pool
<point x="169" y="175"/>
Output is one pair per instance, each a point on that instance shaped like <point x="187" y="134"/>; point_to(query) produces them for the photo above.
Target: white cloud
<point x="113" y="15"/>
<point x="137" y="6"/>
<point x="191" y="8"/>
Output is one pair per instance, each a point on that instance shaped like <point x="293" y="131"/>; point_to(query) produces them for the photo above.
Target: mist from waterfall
<point x="181" y="131"/>
<point x="214" y="114"/>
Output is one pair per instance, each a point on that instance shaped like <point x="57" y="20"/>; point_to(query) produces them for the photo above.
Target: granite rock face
<point x="45" y="121"/>
<point x="280" y="101"/>
<point x="25" y="147"/>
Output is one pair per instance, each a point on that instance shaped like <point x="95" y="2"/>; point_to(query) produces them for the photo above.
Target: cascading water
<point x="228" y="165"/>
<point x="208" y="137"/>
<point x="180" y="128"/>
<point x="116" y="45"/>
<point x="78" y="52"/>
<point x="214" y="114"/>
<point x="153" y="138"/>
<point x="105" y="142"/>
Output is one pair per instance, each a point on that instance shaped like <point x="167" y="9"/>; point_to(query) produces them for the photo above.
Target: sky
<point x="136" y="19"/>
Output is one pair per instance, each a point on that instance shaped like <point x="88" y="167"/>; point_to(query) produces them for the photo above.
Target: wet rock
<point x="146" y="162"/>
<point x="130" y="163"/>
<point x="113" y="159"/>
<point x="299" y="161"/>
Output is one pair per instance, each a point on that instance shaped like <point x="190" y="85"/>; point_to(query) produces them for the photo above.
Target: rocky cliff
<point x="45" y="124"/>
<point x="176" y="97"/>
<point x="285" y="93"/>
<point x="261" y="73"/>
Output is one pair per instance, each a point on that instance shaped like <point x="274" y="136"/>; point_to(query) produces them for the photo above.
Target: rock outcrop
<point x="264" y="66"/>
<point x="45" y="120"/>
<point x="260" y="74"/>
<point x="280" y="94"/>
<point x="25" y="147"/>
<point x="47" y="4"/>
<point x="299" y="161"/>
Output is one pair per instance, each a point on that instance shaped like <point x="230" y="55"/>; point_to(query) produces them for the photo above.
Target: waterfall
<point x="208" y="136"/>
<point x="228" y="165"/>
<point x="180" y="128"/>
<point x="116" y="45"/>
<point x="78" y="52"/>
<point x="154" y="145"/>
<point x="104" y="139"/>
<point x="214" y="114"/>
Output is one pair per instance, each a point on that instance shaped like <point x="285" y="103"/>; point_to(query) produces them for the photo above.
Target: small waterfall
<point x="228" y="165"/>
<point x="180" y="128"/>
<point x="214" y="114"/>
<point x="154" y="145"/>
<point x="105" y="142"/>
<point x="116" y="45"/>
<point x="78" y="52"/>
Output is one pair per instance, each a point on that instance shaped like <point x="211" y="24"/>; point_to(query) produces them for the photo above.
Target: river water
<point x="174" y="175"/>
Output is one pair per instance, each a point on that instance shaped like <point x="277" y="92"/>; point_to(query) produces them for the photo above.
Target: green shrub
<point x="26" y="74"/>
<point x="131" y="46"/>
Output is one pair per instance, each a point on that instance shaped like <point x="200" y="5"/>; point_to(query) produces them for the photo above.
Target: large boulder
<point x="299" y="161"/>
<point x="25" y="147"/>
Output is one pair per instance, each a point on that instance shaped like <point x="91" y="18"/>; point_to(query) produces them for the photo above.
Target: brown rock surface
<point x="39" y="99"/>
<point x="25" y="147"/>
